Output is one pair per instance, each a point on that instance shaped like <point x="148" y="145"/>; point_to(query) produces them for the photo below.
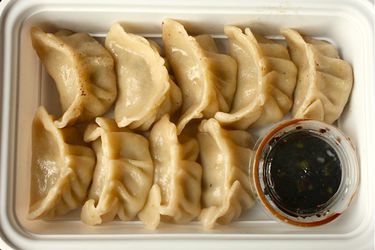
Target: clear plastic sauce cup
<point x="287" y="185"/>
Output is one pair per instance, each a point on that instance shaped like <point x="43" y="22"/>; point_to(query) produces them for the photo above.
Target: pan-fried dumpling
<point x="223" y="70"/>
<point x="265" y="82"/>
<point x="146" y="91"/>
<point x="83" y="71"/>
<point x="61" y="169"/>
<point x="207" y="79"/>
<point x="123" y="173"/>
<point x="175" y="195"/>
<point x="324" y="80"/>
<point x="225" y="157"/>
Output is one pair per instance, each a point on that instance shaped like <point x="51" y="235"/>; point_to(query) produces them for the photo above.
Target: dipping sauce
<point x="302" y="173"/>
<point x="305" y="172"/>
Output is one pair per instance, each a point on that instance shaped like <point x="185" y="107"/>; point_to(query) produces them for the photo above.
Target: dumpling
<point x="207" y="79"/>
<point x="223" y="71"/>
<point x="225" y="157"/>
<point x="175" y="195"/>
<point x="61" y="168"/>
<point x="83" y="71"/>
<point x="324" y="80"/>
<point x="265" y="81"/>
<point x="146" y="91"/>
<point x="123" y="173"/>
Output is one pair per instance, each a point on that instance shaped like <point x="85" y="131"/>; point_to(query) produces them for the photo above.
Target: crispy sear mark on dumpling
<point x="225" y="157"/>
<point x="324" y="80"/>
<point x="123" y="173"/>
<point x="265" y="81"/>
<point x="83" y="71"/>
<point x="61" y="169"/>
<point x="146" y="92"/>
<point x="207" y="79"/>
<point x="175" y="195"/>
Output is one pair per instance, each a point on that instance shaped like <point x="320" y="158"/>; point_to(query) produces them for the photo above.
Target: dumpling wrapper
<point x="123" y="173"/>
<point x="225" y="157"/>
<point x="207" y="79"/>
<point x="61" y="169"/>
<point x="324" y="80"/>
<point x="83" y="71"/>
<point x="146" y="91"/>
<point x="176" y="192"/>
<point x="265" y="82"/>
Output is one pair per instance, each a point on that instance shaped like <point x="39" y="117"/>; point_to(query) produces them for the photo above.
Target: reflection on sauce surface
<point x="303" y="172"/>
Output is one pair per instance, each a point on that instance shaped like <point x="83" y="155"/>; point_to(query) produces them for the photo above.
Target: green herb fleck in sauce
<point x="304" y="172"/>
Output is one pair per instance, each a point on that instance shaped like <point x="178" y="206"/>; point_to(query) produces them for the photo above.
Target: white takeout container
<point x="349" y="24"/>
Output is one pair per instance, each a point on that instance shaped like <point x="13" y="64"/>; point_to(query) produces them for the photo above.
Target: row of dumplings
<point x="155" y="178"/>
<point x="254" y="85"/>
<point x="166" y="173"/>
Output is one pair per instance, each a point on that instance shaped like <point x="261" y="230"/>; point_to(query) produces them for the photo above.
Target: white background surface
<point x="3" y="245"/>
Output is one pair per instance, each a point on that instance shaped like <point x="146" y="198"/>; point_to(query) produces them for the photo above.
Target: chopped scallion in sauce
<point x="303" y="172"/>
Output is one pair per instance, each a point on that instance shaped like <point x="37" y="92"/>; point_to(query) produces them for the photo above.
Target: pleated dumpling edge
<point x="146" y="92"/>
<point x="83" y="71"/>
<point x="265" y="82"/>
<point x="225" y="157"/>
<point x="202" y="73"/>
<point x="61" y="170"/>
<point x="324" y="80"/>
<point x="123" y="173"/>
<point x="176" y="192"/>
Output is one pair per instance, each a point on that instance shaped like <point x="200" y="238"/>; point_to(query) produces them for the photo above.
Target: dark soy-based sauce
<point x="303" y="172"/>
